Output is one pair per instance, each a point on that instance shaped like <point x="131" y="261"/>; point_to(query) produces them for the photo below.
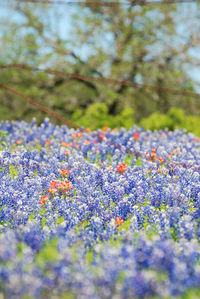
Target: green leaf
<point x="89" y="257"/>
<point x="13" y="171"/>
<point x="48" y="254"/>
<point x="60" y="220"/>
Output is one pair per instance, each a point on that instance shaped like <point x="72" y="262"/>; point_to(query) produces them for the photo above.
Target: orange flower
<point x="54" y="184"/>
<point x="105" y="128"/>
<point x="136" y="136"/>
<point x="18" y="141"/>
<point x="86" y="142"/>
<point x="67" y="152"/>
<point x="80" y="134"/>
<point x="102" y="136"/>
<point x="115" y="130"/>
<point x="87" y="130"/>
<point x="153" y="156"/>
<point x="109" y="167"/>
<point x="65" y="144"/>
<point x="118" y="221"/>
<point x="65" y="186"/>
<point x="52" y="190"/>
<point x="121" y="167"/>
<point x="64" y="173"/>
<point x="44" y="200"/>
<point x="47" y="142"/>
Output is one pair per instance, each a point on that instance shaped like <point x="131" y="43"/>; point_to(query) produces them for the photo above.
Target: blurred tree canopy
<point x="153" y="45"/>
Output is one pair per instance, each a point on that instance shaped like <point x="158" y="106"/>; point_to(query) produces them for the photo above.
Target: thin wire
<point x="42" y="108"/>
<point x="108" y="4"/>
<point x="102" y="79"/>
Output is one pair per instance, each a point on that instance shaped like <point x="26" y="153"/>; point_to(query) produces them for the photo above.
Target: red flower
<point x="153" y="156"/>
<point x="44" y="200"/>
<point x="105" y="128"/>
<point x="52" y="190"/>
<point x="47" y="142"/>
<point x="54" y="184"/>
<point x="65" y="186"/>
<point x="109" y="167"/>
<point x="86" y="142"/>
<point x="118" y="221"/>
<point x="160" y="169"/>
<point x="102" y="136"/>
<point x="67" y="152"/>
<point x="121" y="167"/>
<point x="80" y="134"/>
<point x="64" y="173"/>
<point x="65" y="144"/>
<point x="136" y="136"/>
<point x="18" y="141"/>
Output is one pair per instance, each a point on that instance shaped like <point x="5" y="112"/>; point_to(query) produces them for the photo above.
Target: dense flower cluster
<point x="102" y="214"/>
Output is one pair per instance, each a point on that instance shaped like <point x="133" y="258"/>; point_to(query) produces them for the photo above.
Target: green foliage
<point x="60" y="220"/>
<point x="128" y="159"/>
<point x="67" y="295"/>
<point x="13" y="171"/>
<point x="137" y="45"/>
<point x="139" y="162"/>
<point x="125" y="225"/>
<point x="26" y="297"/>
<point x="97" y="116"/>
<point x="89" y="256"/>
<point x="156" y="121"/>
<point x="3" y="135"/>
<point x="48" y="254"/>
<point x="174" y="233"/>
<point x="192" y="294"/>
<point x="174" y="119"/>
<point x="32" y="216"/>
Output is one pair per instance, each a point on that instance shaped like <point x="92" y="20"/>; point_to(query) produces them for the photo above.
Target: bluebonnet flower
<point x="132" y="234"/>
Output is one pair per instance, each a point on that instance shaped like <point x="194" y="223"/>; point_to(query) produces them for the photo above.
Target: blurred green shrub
<point x="174" y="119"/>
<point x="97" y="116"/>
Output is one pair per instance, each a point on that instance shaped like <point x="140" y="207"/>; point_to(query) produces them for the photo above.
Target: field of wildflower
<point x="98" y="214"/>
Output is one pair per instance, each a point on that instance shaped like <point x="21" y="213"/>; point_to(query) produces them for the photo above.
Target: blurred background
<point x="148" y="45"/>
